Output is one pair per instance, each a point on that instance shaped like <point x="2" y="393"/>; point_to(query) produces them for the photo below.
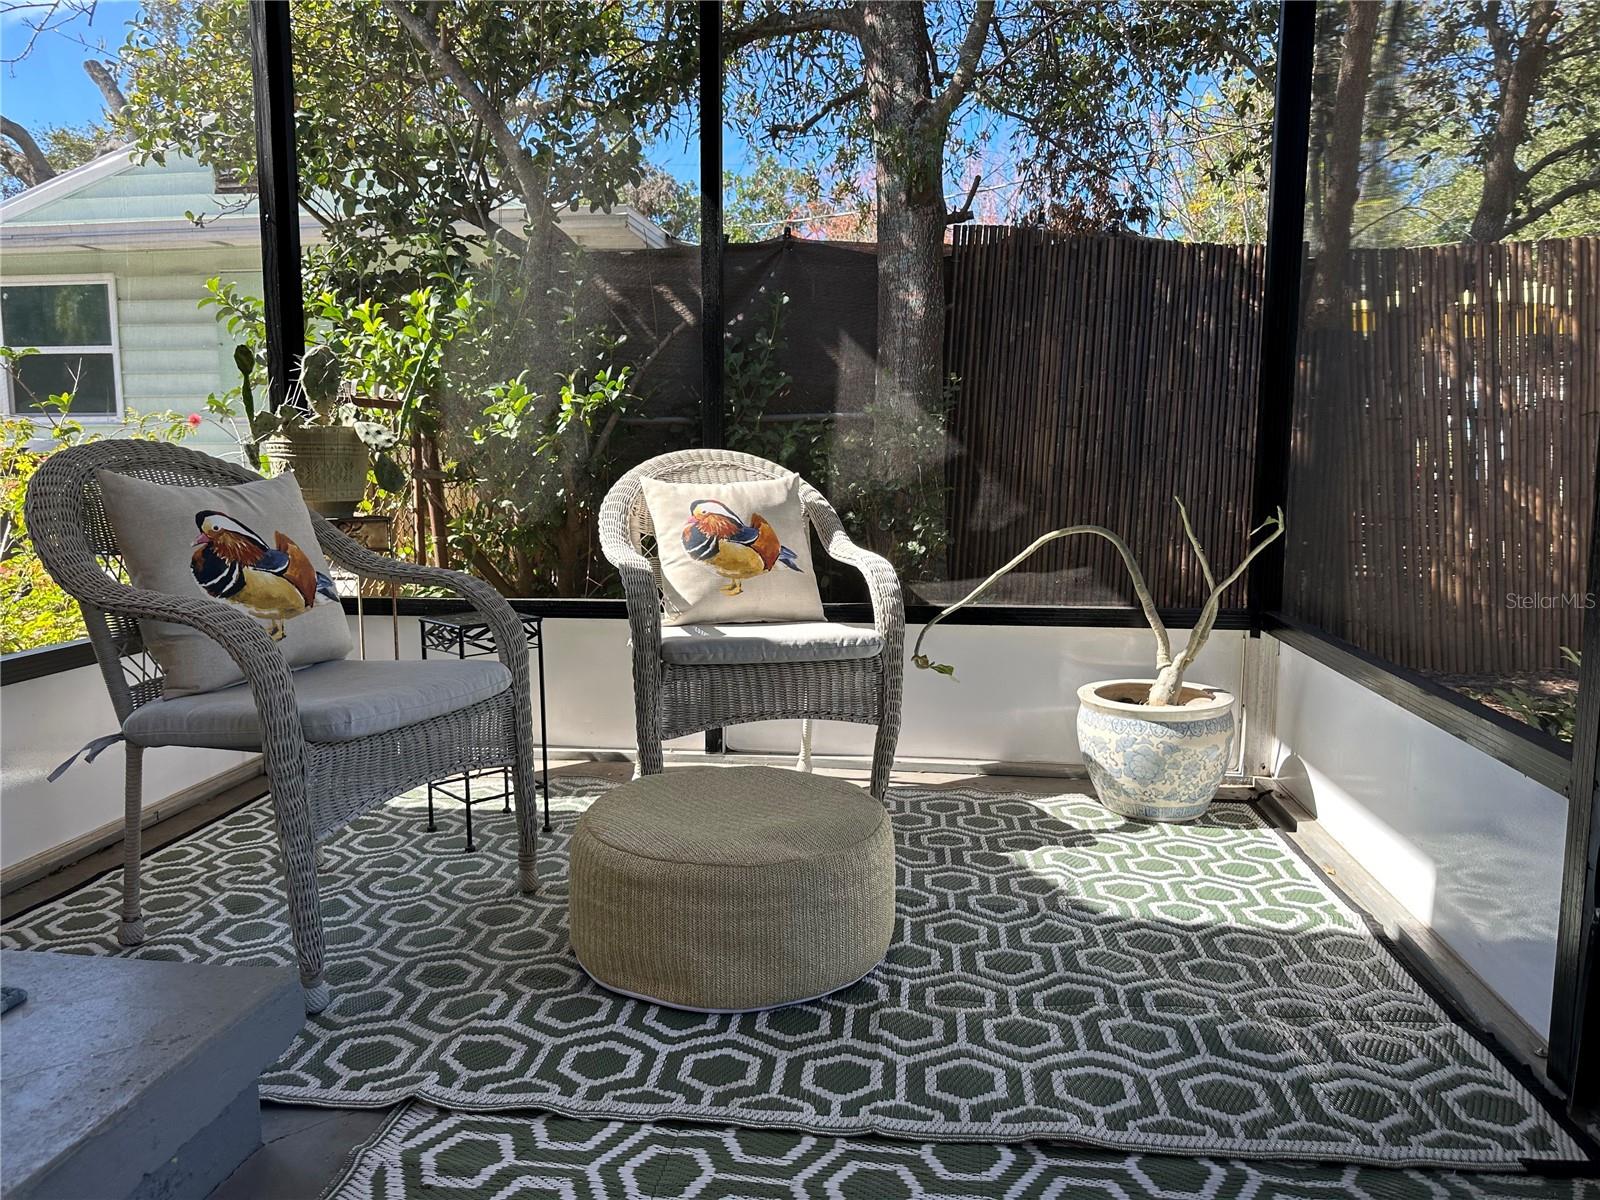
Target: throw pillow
<point x="733" y="552"/>
<point x="250" y="545"/>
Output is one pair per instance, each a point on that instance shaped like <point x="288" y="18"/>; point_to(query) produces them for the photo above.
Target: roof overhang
<point x="68" y="182"/>
<point x="234" y="230"/>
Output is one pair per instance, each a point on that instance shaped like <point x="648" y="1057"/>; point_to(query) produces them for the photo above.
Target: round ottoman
<point x="726" y="889"/>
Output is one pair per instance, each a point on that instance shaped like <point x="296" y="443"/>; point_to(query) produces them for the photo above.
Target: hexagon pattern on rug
<point x="1057" y="972"/>
<point x="425" y="1151"/>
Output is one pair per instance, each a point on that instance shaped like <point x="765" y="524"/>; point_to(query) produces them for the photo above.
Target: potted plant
<point x="316" y="439"/>
<point x="1156" y="748"/>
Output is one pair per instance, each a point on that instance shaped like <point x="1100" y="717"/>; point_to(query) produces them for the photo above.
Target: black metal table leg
<point x="470" y="639"/>
<point x="544" y="734"/>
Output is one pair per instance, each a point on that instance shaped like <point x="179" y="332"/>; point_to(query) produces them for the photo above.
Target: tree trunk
<point x="1330" y="432"/>
<point x="1519" y="66"/>
<point x="911" y="222"/>
<point x="1341" y="158"/>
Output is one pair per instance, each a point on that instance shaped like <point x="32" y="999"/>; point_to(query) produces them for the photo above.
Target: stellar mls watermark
<point x="1570" y="601"/>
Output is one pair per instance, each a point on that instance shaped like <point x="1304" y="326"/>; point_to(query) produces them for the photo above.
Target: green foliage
<point x="907" y="520"/>
<point x="1556" y="714"/>
<point x="530" y="428"/>
<point x="35" y="612"/>
<point x="753" y="381"/>
<point x="399" y="164"/>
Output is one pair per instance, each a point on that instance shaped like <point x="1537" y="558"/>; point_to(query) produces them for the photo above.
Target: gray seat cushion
<point x="778" y="642"/>
<point x="339" y="701"/>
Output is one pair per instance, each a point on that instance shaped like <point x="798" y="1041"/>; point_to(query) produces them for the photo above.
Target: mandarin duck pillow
<point x="251" y="546"/>
<point x="733" y="552"/>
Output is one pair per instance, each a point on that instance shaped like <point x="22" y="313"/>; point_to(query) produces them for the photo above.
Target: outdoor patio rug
<point x="425" y="1151"/>
<point x="1058" y="973"/>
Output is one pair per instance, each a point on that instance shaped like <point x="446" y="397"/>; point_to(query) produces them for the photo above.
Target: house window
<point x="72" y="325"/>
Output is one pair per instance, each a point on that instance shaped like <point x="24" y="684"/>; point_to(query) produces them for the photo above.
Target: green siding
<point x="147" y="192"/>
<point x="173" y="352"/>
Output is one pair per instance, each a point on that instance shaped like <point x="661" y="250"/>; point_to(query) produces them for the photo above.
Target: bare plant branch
<point x="1141" y="589"/>
<point x="1194" y="542"/>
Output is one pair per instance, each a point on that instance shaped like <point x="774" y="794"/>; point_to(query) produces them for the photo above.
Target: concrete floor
<point x="302" y="1148"/>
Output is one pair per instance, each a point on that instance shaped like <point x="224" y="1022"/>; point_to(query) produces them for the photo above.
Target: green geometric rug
<point x="425" y="1151"/>
<point x="1057" y="973"/>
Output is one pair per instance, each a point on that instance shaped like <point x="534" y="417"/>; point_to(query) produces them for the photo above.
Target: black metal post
<point x="278" y="176"/>
<point x="712" y="433"/>
<point x="1575" y="1010"/>
<point x="1280" y="318"/>
<point x="711" y="426"/>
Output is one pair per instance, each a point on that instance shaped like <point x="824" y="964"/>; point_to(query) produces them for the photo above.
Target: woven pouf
<point x="731" y="889"/>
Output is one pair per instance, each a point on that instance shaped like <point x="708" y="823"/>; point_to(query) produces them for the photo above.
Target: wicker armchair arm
<point x="509" y="639"/>
<point x="644" y="601"/>
<point x="883" y="585"/>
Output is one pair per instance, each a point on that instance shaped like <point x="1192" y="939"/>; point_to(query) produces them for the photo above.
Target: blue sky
<point x="49" y="86"/>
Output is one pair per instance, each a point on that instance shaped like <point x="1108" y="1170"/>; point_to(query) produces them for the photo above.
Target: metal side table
<point x="465" y="635"/>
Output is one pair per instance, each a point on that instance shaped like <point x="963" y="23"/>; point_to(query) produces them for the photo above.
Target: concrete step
<point x="128" y="1077"/>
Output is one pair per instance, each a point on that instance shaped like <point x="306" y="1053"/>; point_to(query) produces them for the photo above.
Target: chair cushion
<point x="339" y="701"/>
<point x="799" y="641"/>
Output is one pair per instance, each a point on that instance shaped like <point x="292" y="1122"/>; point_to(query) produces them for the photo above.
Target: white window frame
<point x="109" y="282"/>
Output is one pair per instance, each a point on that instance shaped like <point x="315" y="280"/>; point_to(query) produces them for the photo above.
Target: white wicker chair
<point x="672" y="699"/>
<point x="316" y="786"/>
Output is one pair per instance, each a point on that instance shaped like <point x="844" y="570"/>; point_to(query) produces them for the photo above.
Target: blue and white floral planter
<point x="1154" y="763"/>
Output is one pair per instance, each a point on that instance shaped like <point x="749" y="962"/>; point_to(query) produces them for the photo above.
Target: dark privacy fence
<point x="1447" y="413"/>
<point x="1443" y="475"/>
<point x="1097" y="378"/>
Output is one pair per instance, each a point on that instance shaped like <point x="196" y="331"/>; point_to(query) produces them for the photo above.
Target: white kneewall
<point x="1014" y="700"/>
<point x="1469" y="846"/>
<point x="42" y="722"/>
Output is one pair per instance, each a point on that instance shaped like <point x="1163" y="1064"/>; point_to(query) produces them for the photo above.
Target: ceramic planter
<point x="329" y="463"/>
<point x="1154" y="763"/>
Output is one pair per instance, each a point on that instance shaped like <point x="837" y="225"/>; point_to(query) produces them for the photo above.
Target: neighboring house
<point x="102" y="271"/>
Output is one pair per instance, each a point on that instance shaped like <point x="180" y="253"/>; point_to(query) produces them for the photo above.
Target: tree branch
<point x="39" y="168"/>
<point x="107" y="83"/>
<point x="508" y="148"/>
<point x="1582" y="187"/>
<point x="801" y="128"/>
<point x="966" y="66"/>
<point x="1587" y="142"/>
<point x="964" y="213"/>
<point x="807" y="20"/>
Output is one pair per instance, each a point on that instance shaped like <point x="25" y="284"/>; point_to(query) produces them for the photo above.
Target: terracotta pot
<point x="1155" y="763"/>
<point x="329" y="463"/>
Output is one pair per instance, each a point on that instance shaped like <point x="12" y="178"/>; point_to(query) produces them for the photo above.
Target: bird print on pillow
<point x="231" y="562"/>
<point x="716" y="537"/>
